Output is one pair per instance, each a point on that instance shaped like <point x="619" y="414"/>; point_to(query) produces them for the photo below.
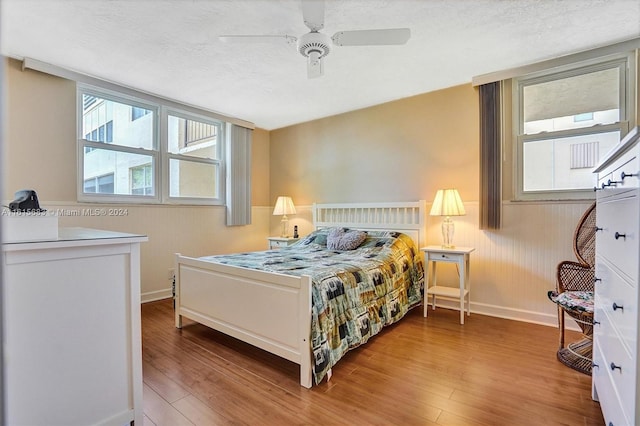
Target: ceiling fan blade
<point x="315" y="67"/>
<point x="372" y="37"/>
<point x="270" y="39"/>
<point x="313" y="14"/>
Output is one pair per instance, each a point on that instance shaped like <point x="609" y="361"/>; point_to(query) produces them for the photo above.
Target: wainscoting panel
<point x="513" y="268"/>
<point x="190" y="230"/>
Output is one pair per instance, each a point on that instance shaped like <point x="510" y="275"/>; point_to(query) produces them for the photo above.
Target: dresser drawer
<point x="616" y="297"/>
<point x="617" y="239"/>
<point x="445" y="257"/>
<point x="617" y="361"/>
<point x="606" y="392"/>
<point x="623" y="173"/>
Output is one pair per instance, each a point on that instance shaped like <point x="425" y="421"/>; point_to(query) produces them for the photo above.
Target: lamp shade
<point x="284" y="206"/>
<point x="447" y="203"/>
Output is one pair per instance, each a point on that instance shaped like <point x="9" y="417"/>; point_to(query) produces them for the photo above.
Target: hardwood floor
<point x="427" y="371"/>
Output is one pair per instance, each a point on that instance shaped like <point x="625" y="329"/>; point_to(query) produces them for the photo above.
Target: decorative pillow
<point x="575" y="300"/>
<point x="316" y="237"/>
<point x="343" y="239"/>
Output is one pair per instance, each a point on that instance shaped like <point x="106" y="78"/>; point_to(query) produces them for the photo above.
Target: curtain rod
<point x="36" y="65"/>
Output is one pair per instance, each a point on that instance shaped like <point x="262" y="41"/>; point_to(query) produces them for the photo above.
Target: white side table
<point x="459" y="256"/>
<point x="277" y="242"/>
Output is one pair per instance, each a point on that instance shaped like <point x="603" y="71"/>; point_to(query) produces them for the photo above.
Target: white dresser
<point x="72" y="345"/>
<point x="615" y="332"/>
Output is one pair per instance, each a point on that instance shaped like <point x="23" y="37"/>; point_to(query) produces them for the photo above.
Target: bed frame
<point x="270" y="310"/>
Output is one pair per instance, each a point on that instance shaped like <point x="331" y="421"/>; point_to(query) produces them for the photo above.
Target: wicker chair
<point x="574" y="294"/>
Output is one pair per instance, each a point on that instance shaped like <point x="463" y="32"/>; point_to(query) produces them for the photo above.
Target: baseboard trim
<point x="476" y="308"/>
<point x="153" y="296"/>
<point x="509" y="313"/>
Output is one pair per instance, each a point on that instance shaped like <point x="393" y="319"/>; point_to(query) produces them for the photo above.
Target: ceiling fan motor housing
<point x="314" y="45"/>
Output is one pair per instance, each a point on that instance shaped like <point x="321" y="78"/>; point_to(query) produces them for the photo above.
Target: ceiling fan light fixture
<point x="315" y="45"/>
<point x="314" y="42"/>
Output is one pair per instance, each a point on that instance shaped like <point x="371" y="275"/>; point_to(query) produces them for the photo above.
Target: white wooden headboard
<point x="406" y="217"/>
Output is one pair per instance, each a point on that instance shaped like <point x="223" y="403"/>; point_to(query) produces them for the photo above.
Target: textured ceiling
<point x="171" y="47"/>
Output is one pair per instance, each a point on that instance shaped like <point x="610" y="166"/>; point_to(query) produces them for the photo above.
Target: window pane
<point x="90" y="185"/>
<point x="573" y="102"/>
<point x="105" y="184"/>
<point x="104" y="120"/>
<point x="112" y="172"/>
<point x="142" y="180"/>
<point x="192" y="137"/>
<point x="191" y="179"/>
<point x="137" y="112"/>
<point x="564" y="163"/>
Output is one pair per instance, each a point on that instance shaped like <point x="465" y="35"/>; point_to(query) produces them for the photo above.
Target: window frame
<point x="168" y="156"/>
<point x="159" y="153"/>
<point x="626" y="65"/>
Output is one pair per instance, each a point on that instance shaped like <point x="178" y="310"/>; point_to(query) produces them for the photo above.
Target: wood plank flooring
<point x="421" y="371"/>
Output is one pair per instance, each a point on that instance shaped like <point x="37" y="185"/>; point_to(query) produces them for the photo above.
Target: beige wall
<point x="406" y="150"/>
<point x="40" y="153"/>
<point x="403" y="150"/>
<point x="40" y="148"/>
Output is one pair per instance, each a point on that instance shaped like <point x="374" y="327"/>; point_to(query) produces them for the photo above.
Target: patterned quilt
<point x="355" y="293"/>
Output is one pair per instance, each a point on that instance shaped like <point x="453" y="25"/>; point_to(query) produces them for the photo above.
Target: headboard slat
<point x="406" y="217"/>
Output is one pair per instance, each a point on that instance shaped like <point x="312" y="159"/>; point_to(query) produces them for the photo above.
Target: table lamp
<point x="447" y="203"/>
<point x="284" y="206"/>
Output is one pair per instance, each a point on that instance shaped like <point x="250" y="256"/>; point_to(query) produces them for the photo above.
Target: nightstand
<point x="459" y="256"/>
<point x="277" y="242"/>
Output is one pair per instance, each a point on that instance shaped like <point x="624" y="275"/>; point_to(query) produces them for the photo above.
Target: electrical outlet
<point x="170" y="274"/>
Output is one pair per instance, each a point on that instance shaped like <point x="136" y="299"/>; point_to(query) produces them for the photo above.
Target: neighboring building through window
<point x="121" y="138"/>
<point x="137" y="112"/>
<point x="99" y="184"/>
<point x="142" y="180"/>
<point x="565" y="122"/>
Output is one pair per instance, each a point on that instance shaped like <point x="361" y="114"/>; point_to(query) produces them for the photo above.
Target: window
<point x="99" y="184"/>
<point x="194" y="157"/>
<point x="137" y="112"/>
<point x="133" y="150"/>
<point x="564" y="122"/>
<point x="142" y="180"/>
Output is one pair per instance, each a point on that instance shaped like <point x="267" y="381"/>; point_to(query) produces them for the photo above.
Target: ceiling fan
<point x="315" y="45"/>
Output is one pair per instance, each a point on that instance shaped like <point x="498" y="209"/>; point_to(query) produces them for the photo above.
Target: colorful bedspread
<point x="355" y="293"/>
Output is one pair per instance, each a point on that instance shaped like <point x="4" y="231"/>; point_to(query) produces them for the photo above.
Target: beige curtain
<point x="490" y="156"/>
<point x="238" y="188"/>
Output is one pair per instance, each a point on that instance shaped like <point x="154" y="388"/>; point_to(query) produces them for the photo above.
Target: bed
<point x="306" y="303"/>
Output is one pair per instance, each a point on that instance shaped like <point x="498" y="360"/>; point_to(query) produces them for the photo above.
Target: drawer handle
<point x="596" y="280"/>
<point x="604" y="185"/>
<point x="616" y="307"/>
<point x="626" y="175"/>
<point x="613" y="367"/>
<point x="612" y="182"/>
<point x="594" y="365"/>
<point x="595" y="188"/>
<point x="596" y="322"/>
<point x="598" y="229"/>
<point x="619" y="235"/>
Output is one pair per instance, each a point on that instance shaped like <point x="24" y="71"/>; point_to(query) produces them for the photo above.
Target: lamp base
<point x="285" y="227"/>
<point x="448" y="229"/>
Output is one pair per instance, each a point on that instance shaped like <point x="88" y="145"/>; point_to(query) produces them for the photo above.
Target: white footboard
<point x="268" y="310"/>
